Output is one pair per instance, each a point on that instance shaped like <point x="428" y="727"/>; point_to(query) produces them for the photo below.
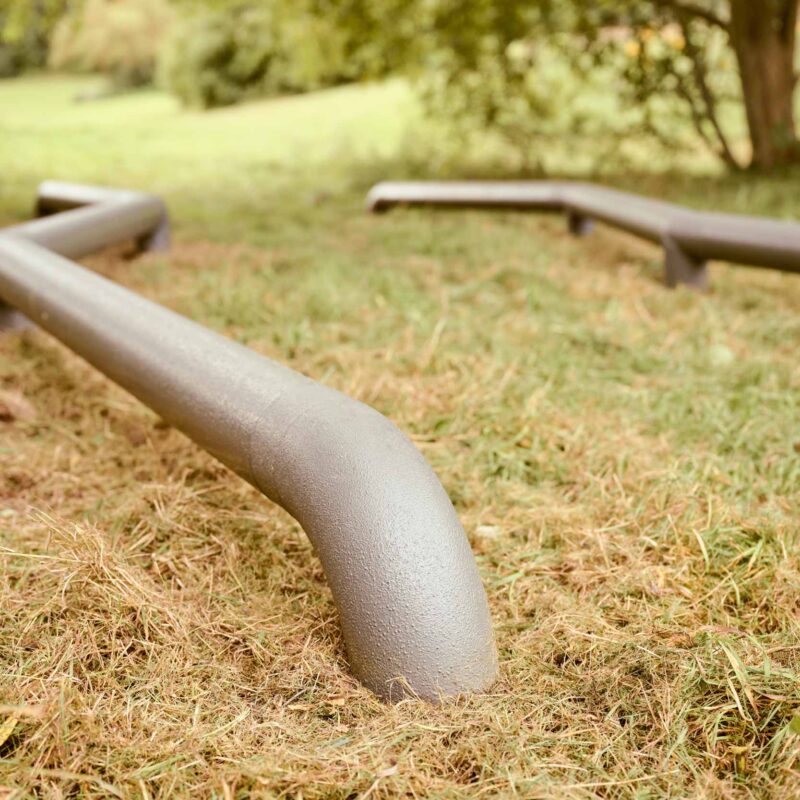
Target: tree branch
<point x="691" y="9"/>
<point x="709" y="101"/>
<point x="697" y="117"/>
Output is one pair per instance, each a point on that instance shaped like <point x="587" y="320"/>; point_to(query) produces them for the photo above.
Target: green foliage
<point x="12" y="60"/>
<point x="312" y="52"/>
<point x="222" y="54"/>
<point x="118" y="39"/>
<point x="25" y="30"/>
<point x="527" y="94"/>
<point x="509" y="68"/>
<point x="534" y="71"/>
<point x="685" y="70"/>
<point x="217" y="58"/>
<point x="374" y="36"/>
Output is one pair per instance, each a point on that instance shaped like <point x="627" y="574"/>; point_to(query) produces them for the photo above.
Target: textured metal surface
<point x="689" y="238"/>
<point x="413" y="610"/>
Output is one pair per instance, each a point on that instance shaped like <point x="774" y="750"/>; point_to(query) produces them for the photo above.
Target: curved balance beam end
<point x="413" y="609"/>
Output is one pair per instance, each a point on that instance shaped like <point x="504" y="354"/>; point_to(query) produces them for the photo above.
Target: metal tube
<point x="689" y="237"/>
<point x="544" y="195"/>
<point x="55" y="196"/>
<point x="748" y="240"/>
<point x="413" y="610"/>
<point x="92" y="218"/>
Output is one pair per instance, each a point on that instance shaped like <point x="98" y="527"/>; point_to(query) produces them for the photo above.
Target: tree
<point x="89" y="39"/>
<point x="763" y="37"/>
<point x="25" y="29"/>
<point x="480" y="37"/>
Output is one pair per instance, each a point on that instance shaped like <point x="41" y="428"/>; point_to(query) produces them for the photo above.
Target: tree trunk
<point x="763" y="37"/>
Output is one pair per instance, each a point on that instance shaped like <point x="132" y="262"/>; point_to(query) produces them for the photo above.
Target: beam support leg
<point x="578" y="224"/>
<point x="682" y="268"/>
<point x="157" y="239"/>
<point x="12" y="320"/>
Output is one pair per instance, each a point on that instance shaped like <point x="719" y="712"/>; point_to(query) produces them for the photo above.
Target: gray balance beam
<point x="413" y="610"/>
<point x="689" y="238"/>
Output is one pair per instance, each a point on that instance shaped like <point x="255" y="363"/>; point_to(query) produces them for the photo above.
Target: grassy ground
<point x="626" y="461"/>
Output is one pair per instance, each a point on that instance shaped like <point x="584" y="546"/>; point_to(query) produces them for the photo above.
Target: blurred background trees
<point x="717" y="72"/>
<point x="698" y="60"/>
<point x="26" y="27"/>
<point x="222" y="54"/>
<point x="122" y="40"/>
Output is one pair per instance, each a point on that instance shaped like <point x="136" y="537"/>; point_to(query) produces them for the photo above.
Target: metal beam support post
<point x="682" y="268"/>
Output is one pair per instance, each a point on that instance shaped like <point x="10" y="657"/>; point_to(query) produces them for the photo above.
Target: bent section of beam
<point x="95" y="218"/>
<point x="92" y="218"/>
<point x="689" y="238"/>
<point x="413" y="609"/>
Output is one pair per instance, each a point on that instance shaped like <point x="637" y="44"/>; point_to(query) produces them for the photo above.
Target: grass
<point x="625" y="459"/>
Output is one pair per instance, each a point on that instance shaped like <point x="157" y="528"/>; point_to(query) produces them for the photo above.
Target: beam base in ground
<point x="680" y="268"/>
<point x="12" y="321"/>
<point x="579" y="225"/>
<point x="157" y="239"/>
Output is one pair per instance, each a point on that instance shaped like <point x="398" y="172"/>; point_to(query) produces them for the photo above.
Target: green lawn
<point x="625" y="459"/>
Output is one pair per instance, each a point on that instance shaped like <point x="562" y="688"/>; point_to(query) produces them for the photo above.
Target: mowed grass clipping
<point x="625" y="459"/>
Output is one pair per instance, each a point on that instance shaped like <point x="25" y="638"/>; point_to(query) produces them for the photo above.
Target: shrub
<point x="119" y="38"/>
<point x="11" y="60"/>
<point x="312" y="53"/>
<point x="223" y="56"/>
<point x="26" y="27"/>
<point x="218" y="58"/>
